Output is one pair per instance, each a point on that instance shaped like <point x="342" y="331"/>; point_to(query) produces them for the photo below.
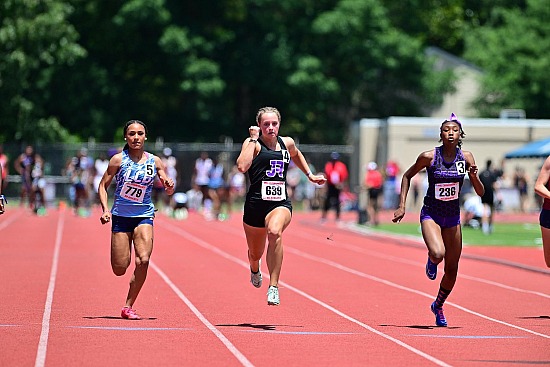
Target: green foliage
<point x="513" y="51"/>
<point x="198" y="71"/>
<point x="36" y="40"/>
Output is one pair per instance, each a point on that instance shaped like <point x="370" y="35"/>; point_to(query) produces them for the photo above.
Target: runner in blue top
<point x="267" y="209"/>
<point x="133" y="212"/>
<point x="440" y="216"/>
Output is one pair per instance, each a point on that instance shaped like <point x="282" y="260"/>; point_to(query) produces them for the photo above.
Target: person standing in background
<point x="4" y="160"/>
<point x="520" y="183"/>
<point x="373" y="184"/>
<point x="489" y="178"/>
<point x="2" y="198"/>
<point x="336" y="173"/>
<point x="201" y="178"/>
<point x="23" y="165"/>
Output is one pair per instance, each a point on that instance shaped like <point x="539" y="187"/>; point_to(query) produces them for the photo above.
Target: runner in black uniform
<point x="267" y="209"/>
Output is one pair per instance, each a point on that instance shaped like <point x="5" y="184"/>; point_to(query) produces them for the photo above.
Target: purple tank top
<point x="444" y="183"/>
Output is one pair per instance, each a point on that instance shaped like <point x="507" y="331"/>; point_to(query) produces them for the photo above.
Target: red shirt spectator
<point x="373" y="178"/>
<point x="337" y="172"/>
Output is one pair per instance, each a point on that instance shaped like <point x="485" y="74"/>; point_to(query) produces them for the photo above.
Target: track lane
<point x="85" y="327"/>
<point x="534" y="347"/>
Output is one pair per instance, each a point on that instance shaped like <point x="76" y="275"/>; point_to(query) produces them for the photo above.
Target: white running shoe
<point x="273" y="296"/>
<point x="256" y="278"/>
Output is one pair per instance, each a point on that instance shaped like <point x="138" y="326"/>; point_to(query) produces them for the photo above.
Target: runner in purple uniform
<point x="440" y="216"/>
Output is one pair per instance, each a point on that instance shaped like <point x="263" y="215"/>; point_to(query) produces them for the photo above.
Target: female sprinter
<point x="446" y="166"/>
<point x="132" y="213"/>
<point x="542" y="186"/>
<point x="268" y="210"/>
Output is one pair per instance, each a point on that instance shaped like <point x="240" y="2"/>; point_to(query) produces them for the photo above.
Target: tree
<point x="35" y="40"/>
<point x="513" y="51"/>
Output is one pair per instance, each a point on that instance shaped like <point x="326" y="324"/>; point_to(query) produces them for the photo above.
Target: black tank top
<point x="268" y="166"/>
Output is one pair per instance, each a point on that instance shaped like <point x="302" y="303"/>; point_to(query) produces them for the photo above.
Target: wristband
<point x="3" y="199"/>
<point x="308" y="173"/>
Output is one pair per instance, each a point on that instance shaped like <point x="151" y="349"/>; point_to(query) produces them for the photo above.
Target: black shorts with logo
<point x="256" y="210"/>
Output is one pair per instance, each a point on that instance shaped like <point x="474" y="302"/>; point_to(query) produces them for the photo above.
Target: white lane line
<point x="234" y="259"/>
<point x="244" y="361"/>
<point x="398" y="286"/>
<point x="43" y="343"/>
<point x="395" y="285"/>
<point x="362" y="250"/>
<point x="10" y="219"/>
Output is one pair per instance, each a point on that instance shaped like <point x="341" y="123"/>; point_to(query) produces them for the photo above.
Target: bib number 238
<point x="273" y="190"/>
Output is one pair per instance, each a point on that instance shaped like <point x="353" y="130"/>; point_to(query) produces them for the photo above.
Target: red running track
<point x="347" y="299"/>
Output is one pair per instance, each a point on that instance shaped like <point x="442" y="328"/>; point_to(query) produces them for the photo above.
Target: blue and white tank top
<point x="445" y="180"/>
<point x="134" y="183"/>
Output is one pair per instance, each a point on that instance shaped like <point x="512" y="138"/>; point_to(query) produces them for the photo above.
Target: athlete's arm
<point x="542" y="180"/>
<point x="249" y="150"/>
<point x="166" y="181"/>
<point x="423" y="161"/>
<point x="300" y="161"/>
<point x="472" y="173"/>
<point x="112" y="169"/>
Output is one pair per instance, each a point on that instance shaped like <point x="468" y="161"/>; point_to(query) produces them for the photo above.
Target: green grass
<point x="504" y="234"/>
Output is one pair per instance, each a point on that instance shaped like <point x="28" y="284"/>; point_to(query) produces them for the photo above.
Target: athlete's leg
<point x="255" y="239"/>
<point x="452" y="237"/>
<point x="546" y="244"/>
<point x="121" y="243"/>
<point x="276" y="222"/>
<point x="431" y="232"/>
<point x="143" y="246"/>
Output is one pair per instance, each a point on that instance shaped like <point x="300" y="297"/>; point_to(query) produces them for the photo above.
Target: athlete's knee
<point x="119" y="270"/>
<point x="274" y="233"/>
<point x="437" y="255"/>
<point x="142" y="260"/>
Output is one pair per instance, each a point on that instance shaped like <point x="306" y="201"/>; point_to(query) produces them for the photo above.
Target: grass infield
<point x="504" y="234"/>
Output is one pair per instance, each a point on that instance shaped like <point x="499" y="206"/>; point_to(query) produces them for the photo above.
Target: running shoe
<point x="273" y="296"/>
<point x="431" y="269"/>
<point x="129" y="313"/>
<point x="439" y="316"/>
<point x="256" y="278"/>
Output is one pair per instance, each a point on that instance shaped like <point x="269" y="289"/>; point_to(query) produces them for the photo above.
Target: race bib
<point x="133" y="192"/>
<point x="446" y="191"/>
<point x="273" y="190"/>
<point x="461" y="167"/>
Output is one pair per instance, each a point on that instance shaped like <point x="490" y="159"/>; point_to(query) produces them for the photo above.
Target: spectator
<point x="373" y="184"/>
<point x="520" y="183"/>
<point x="475" y="213"/>
<point x="391" y="190"/>
<point x="336" y="173"/>
<point x="4" y="160"/>
<point x="488" y="178"/>
<point x="237" y="188"/>
<point x="100" y="166"/>
<point x="201" y="176"/>
<point x="79" y="171"/>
